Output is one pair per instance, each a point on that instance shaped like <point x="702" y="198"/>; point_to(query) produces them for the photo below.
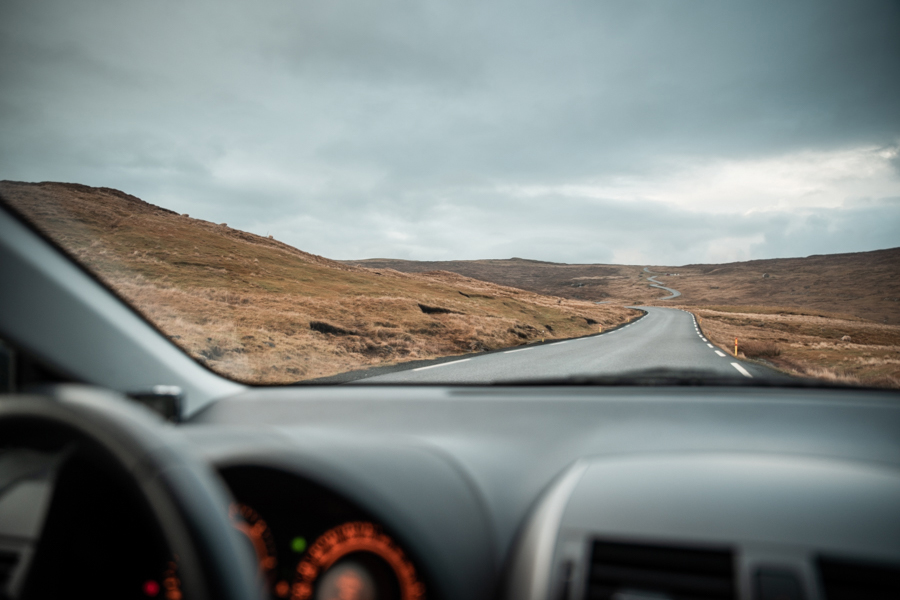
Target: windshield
<point x="540" y="192"/>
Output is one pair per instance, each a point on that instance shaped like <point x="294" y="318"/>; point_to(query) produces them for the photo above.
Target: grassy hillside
<point x="578" y="282"/>
<point x="808" y="343"/>
<point x="261" y="311"/>
<point x="861" y="284"/>
<point x="835" y="317"/>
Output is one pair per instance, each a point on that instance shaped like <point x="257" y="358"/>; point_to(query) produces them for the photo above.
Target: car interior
<point x="128" y="470"/>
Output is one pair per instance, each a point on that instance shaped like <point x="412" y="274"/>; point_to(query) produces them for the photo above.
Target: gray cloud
<point x="358" y="128"/>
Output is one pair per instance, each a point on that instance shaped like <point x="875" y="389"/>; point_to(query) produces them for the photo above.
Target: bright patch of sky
<point x="807" y="179"/>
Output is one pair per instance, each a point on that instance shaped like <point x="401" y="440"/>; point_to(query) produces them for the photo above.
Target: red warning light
<point x="151" y="588"/>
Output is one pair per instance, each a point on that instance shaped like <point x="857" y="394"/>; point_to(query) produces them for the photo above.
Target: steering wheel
<point x="121" y="473"/>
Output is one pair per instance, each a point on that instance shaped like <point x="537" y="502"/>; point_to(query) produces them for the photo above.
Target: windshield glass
<point x="400" y="192"/>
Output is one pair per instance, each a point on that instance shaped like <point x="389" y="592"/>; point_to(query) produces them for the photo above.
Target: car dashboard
<point x="570" y="493"/>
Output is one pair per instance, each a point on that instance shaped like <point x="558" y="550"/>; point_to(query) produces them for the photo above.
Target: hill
<point x="861" y="284"/>
<point x="835" y="317"/>
<point x="258" y="310"/>
<point x="578" y="282"/>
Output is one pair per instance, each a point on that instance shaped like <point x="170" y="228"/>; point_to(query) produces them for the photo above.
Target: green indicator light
<point x="298" y="544"/>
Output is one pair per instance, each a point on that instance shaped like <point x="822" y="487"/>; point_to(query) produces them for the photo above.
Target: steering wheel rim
<point x="185" y="498"/>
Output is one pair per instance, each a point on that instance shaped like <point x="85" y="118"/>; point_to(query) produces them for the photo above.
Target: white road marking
<point x="455" y="362"/>
<point x="519" y="350"/>
<point x="702" y="338"/>
<point x="710" y="345"/>
<point x="720" y="353"/>
<point x="741" y="370"/>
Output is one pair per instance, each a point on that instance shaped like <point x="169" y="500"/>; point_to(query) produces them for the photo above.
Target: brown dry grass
<point x="820" y="345"/>
<point x="760" y="349"/>
<point x="243" y="304"/>
<point x="862" y="284"/>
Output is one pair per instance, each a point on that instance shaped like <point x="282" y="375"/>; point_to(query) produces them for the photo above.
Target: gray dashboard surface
<point x="457" y="469"/>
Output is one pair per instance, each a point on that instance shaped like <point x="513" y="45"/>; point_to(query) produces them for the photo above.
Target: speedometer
<point x="356" y="561"/>
<point x="247" y="521"/>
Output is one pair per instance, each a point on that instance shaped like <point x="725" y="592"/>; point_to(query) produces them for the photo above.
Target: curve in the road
<point x="665" y="338"/>
<point x="658" y="284"/>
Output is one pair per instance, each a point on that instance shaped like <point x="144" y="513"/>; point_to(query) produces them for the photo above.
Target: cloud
<point x="573" y="131"/>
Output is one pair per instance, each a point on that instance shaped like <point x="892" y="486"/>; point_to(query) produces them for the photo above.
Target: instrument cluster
<point x="312" y="544"/>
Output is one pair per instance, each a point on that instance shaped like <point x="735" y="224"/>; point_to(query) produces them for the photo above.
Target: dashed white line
<point x="519" y="350"/>
<point x="720" y="353"/>
<point x="703" y="338"/>
<point x="741" y="370"/>
<point x="710" y="345"/>
<point x="455" y="362"/>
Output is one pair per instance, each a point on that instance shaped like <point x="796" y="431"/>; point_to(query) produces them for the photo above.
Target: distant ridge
<point x="861" y="284"/>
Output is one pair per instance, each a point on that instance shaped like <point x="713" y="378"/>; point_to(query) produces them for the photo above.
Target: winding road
<point x="663" y="338"/>
<point x="658" y="284"/>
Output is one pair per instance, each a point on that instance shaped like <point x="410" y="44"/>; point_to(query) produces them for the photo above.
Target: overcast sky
<point x="630" y="131"/>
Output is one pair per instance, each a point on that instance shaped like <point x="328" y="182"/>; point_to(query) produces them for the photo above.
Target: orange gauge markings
<point x="247" y="521"/>
<point x="171" y="582"/>
<point x="357" y="536"/>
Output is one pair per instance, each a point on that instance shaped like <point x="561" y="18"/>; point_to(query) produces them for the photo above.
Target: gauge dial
<point x="356" y="561"/>
<point x="247" y="521"/>
<point x="166" y="586"/>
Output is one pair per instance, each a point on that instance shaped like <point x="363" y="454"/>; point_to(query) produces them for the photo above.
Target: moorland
<point x="833" y="316"/>
<point x="261" y="311"/>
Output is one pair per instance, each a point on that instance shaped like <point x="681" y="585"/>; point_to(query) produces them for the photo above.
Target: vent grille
<point x="620" y="570"/>
<point x="8" y="562"/>
<point x="849" y="580"/>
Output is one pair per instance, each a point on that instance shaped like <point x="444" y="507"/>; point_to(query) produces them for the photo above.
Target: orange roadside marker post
<point x="735" y="347"/>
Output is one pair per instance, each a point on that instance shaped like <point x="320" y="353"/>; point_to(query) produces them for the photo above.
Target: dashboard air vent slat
<point x="851" y="580"/>
<point x="633" y="570"/>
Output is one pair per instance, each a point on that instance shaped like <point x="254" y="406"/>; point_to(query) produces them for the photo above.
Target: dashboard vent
<point x="846" y="580"/>
<point x="8" y="562"/>
<point x="631" y="571"/>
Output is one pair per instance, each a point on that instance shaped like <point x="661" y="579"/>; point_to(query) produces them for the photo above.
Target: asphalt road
<point x="664" y="338"/>
<point x="658" y="284"/>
